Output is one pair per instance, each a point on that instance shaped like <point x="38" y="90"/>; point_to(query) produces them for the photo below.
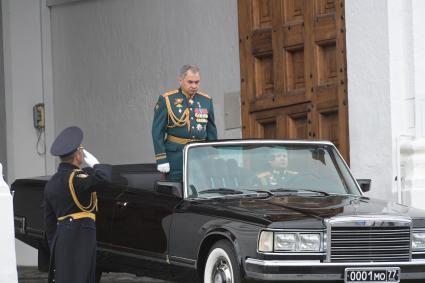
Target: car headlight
<point x="290" y="242"/>
<point x="309" y="242"/>
<point x="265" y="242"/>
<point x="418" y="240"/>
<point x="285" y="241"/>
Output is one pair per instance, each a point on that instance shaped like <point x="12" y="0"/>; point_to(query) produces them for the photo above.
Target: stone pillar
<point x="413" y="172"/>
<point x="7" y="236"/>
<point x="412" y="152"/>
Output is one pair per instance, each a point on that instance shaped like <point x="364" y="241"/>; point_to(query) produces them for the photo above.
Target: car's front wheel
<point x="221" y="265"/>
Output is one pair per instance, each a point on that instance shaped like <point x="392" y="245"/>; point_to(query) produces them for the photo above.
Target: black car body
<point x="221" y="224"/>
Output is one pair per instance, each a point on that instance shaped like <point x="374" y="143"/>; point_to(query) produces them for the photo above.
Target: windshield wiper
<point x="221" y="191"/>
<point x="269" y="193"/>
<point x="298" y="190"/>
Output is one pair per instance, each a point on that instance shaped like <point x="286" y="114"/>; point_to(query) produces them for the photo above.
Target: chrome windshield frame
<point x="254" y="142"/>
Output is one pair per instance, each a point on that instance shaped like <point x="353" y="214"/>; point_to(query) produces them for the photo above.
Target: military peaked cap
<point x="67" y="142"/>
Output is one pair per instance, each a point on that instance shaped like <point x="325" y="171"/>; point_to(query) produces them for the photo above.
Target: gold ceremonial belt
<point x="181" y="140"/>
<point x="79" y="215"/>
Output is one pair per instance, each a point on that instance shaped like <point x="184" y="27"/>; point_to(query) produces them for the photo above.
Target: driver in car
<point x="276" y="172"/>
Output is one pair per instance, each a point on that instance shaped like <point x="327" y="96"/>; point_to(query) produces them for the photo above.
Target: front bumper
<point x="305" y="270"/>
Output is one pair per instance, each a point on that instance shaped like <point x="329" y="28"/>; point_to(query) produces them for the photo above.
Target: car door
<point x="107" y="196"/>
<point x="141" y="222"/>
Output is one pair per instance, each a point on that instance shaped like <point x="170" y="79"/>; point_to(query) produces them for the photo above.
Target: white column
<point x="412" y="151"/>
<point x="418" y="22"/>
<point x="7" y="244"/>
<point x="369" y="101"/>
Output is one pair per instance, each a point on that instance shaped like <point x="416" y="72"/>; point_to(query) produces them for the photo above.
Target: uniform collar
<point x="186" y="94"/>
<point x="67" y="166"/>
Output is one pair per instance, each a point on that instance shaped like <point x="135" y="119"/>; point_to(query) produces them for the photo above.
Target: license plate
<point x="370" y="275"/>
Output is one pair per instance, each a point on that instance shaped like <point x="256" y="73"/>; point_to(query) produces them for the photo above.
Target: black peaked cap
<point x="67" y="142"/>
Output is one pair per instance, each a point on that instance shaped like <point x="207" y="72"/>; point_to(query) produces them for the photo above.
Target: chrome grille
<point x="370" y="244"/>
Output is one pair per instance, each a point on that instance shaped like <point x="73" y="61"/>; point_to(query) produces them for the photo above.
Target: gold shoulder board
<point x="168" y="93"/>
<point x="204" y="94"/>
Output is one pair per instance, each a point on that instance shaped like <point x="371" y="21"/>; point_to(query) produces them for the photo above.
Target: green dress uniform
<point x="275" y="178"/>
<point x="180" y="119"/>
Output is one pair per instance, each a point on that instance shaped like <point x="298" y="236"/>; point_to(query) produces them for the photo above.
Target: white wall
<point x="386" y="70"/>
<point x="24" y="78"/>
<point x="369" y="85"/>
<point x="112" y="59"/>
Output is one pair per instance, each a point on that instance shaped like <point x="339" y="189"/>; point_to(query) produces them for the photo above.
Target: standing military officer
<point x="70" y="204"/>
<point x="181" y="116"/>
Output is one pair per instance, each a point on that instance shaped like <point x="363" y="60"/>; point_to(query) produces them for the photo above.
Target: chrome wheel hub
<point x="222" y="272"/>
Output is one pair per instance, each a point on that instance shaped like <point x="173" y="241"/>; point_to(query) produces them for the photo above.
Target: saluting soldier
<point x="181" y="116"/>
<point x="70" y="205"/>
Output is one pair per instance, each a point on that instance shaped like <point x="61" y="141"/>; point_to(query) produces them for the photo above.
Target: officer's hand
<point x="90" y="159"/>
<point x="164" y="168"/>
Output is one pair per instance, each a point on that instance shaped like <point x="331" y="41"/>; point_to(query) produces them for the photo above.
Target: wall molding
<point x="51" y="3"/>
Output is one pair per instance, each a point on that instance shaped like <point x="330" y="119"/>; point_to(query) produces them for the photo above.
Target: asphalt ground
<point x="32" y="275"/>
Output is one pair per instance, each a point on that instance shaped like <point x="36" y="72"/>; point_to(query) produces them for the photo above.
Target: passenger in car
<point x="276" y="172"/>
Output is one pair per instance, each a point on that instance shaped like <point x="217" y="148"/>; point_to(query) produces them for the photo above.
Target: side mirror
<point x="169" y="188"/>
<point x="364" y="184"/>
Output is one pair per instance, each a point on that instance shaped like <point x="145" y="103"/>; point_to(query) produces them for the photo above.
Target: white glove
<point x="90" y="159"/>
<point x="163" y="168"/>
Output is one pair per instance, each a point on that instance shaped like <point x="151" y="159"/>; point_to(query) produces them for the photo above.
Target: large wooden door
<point x="293" y="70"/>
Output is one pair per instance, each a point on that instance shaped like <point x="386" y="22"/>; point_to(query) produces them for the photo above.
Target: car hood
<point x="281" y="211"/>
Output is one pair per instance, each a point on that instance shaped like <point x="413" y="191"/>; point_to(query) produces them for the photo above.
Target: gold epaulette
<point x="205" y="95"/>
<point x="93" y="197"/>
<point x="263" y="174"/>
<point x="168" y="93"/>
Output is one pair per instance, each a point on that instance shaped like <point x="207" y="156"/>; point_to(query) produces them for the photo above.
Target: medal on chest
<point x="178" y="102"/>
<point x="201" y="115"/>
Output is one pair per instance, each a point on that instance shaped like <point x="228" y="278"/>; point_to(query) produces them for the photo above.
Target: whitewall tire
<point x="221" y="265"/>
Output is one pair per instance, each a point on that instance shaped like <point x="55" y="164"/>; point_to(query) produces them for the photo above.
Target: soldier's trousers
<point x="73" y="252"/>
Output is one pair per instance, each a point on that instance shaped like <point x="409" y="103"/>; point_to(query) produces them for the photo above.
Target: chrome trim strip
<point x="21" y="221"/>
<point x="110" y="249"/>
<point x="293" y="253"/>
<point x="369" y="220"/>
<point x="317" y="263"/>
<point x="184" y="260"/>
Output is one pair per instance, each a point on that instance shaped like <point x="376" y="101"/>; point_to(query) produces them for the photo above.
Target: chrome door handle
<point x="122" y="203"/>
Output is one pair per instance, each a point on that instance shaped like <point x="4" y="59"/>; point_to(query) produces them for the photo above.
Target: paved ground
<point x="32" y="275"/>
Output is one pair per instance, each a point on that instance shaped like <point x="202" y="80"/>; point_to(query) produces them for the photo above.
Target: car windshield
<point x="238" y="170"/>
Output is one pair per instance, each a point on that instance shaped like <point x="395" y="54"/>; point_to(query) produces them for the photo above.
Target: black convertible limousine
<point x="246" y="211"/>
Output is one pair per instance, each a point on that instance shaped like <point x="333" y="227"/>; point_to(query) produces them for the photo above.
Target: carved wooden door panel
<point x="293" y="70"/>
